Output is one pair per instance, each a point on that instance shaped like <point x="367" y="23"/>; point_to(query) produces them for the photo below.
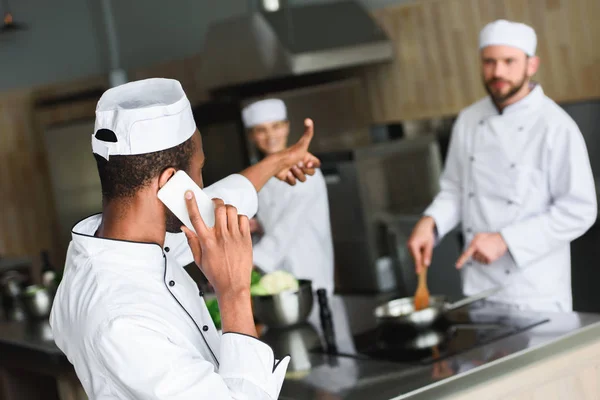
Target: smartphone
<point x="172" y="194"/>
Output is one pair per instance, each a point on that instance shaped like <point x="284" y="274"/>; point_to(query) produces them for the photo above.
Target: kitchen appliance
<point x="297" y="341"/>
<point x="396" y="177"/>
<point x="284" y="309"/>
<point x="292" y="40"/>
<point x="402" y="313"/>
<point x="456" y="333"/>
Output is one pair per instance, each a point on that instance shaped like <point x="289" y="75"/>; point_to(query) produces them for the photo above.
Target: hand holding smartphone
<point x="172" y="194"/>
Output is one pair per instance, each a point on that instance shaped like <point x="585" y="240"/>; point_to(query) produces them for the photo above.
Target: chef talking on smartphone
<point x="126" y="314"/>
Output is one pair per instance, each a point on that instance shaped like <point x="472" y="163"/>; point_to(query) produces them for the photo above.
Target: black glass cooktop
<point x="451" y="336"/>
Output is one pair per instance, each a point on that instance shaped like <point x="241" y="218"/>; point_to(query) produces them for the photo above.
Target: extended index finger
<point x="308" y="133"/>
<point x="195" y="217"/>
<point x="466" y="255"/>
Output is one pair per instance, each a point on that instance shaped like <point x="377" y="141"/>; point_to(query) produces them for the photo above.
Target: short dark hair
<point x="122" y="176"/>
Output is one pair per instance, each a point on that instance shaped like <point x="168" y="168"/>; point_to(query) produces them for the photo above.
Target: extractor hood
<point x="292" y="41"/>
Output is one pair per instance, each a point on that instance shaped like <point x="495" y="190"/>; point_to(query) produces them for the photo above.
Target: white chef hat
<point x="514" y="34"/>
<point x="264" y="111"/>
<point x="142" y="117"/>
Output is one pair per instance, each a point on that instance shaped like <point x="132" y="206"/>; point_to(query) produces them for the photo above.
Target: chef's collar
<point x="528" y="103"/>
<point x="83" y="237"/>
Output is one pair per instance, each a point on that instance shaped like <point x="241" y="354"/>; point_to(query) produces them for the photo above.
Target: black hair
<point x="122" y="176"/>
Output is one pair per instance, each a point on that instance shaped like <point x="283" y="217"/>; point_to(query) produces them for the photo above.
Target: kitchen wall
<point x="59" y="45"/>
<point x="436" y="68"/>
<point x="66" y="38"/>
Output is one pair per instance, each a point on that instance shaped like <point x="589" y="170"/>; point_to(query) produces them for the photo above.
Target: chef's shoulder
<point x="556" y="120"/>
<point x="118" y="290"/>
<point x="475" y="113"/>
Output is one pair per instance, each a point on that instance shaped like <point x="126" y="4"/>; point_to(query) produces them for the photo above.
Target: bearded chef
<point x="127" y="315"/>
<point x="518" y="178"/>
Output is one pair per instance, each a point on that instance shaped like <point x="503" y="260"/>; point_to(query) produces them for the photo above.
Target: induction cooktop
<point x="453" y="335"/>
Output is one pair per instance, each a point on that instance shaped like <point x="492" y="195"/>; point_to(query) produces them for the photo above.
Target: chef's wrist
<point x="278" y="161"/>
<point x="258" y="174"/>
<point x="233" y="295"/>
<point x="236" y="312"/>
<point x="429" y="222"/>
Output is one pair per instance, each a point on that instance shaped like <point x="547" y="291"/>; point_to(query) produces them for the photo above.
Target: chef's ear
<point x="533" y="63"/>
<point x="164" y="176"/>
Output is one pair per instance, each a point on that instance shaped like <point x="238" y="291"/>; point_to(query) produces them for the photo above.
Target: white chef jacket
<point x="134" y="325"/>
<point x="526" y="174"/>
<point x="297" y="231"/>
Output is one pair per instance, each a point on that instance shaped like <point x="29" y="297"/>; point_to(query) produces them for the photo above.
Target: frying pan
<point x="402" y="311"/>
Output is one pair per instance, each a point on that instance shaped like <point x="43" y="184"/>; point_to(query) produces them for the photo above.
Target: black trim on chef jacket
<point x="172" y="295"/>
<point x="103" y="238"/>
<point x="189" y="315"/>
<point x="164" y="278"/>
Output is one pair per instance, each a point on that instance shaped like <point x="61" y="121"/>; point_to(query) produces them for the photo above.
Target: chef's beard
<point x="172" y="222"/>
<point x="514" y="89"/>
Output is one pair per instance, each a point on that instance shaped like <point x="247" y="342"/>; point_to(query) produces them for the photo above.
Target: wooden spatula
<point x="422" y="294"/>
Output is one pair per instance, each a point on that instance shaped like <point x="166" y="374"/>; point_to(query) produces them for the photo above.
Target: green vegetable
<point x="213" y="309"/>
<point x="32" y="289"/>
<point x="255" y="278"/>
<point x="258" y="290"/>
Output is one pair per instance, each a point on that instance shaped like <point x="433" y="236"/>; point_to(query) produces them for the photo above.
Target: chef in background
<point x="518" y="178"/>
<point x="293" y="221"/>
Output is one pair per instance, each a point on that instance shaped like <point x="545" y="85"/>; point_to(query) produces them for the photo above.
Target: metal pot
<point x="297" y="341"/>
<point x="402" y="311"/>
<point x="284" y="309"/>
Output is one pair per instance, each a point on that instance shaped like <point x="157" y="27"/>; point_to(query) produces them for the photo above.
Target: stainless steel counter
<point x="29" y="346"/>
<point x="348" y="378"/>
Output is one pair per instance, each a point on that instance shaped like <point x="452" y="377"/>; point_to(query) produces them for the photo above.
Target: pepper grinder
<point x="326" y="322"/>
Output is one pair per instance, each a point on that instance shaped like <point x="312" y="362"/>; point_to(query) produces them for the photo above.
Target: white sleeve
<point x="446" y="207"/>
<point x="247" y="368"/>
<point x="236" y="190"/>
<point x="291" y="208"/>
<point x="573" y="209"/>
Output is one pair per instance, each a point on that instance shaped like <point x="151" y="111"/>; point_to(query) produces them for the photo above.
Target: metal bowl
<point x="285" y="309"/>
<point x="37" y="301"/>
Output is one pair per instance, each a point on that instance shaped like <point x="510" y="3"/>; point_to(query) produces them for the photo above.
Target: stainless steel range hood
<point x="292" y="41"/>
